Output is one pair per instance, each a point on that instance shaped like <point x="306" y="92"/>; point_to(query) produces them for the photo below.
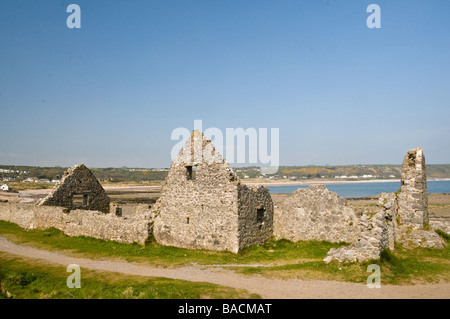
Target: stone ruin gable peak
<point x="198" y="149"/>
<point x="199" y="152"/>
<point x="78" y="189"/>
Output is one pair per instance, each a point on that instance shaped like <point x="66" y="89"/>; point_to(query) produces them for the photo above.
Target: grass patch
<point x="405" y="266"/>
<point x="415" y="265"/>
<point x="444" y="235"/>
<point x="21" y="278"/>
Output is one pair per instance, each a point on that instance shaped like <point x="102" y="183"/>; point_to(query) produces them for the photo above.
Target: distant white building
<point x="4" y="187"/>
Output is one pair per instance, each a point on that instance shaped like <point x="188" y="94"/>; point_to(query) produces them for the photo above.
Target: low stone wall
<point x="374" y="238"/>
<point x="315" y="213"/>
<point x="80" y="222"/>
<point x="442" y="223"/>
<point x="419" y="238"/>
<point x="380" y="230"/>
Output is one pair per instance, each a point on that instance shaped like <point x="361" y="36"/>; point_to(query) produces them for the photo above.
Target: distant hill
<point x="346" y="172"/>
<point x="125" y="174"/>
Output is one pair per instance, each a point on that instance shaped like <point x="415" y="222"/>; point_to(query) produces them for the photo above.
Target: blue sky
<point x="111" y="93"/>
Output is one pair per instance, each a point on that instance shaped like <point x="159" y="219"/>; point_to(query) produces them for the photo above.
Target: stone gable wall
<point x="78" y="180"/>
<point x="209" y="209"/>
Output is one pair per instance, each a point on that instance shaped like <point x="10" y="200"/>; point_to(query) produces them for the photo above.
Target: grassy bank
<point x="158" y="255"/>
<point x="404" y="266"/>
<point x="22" y="278"/>
<point x="275" y="259"/>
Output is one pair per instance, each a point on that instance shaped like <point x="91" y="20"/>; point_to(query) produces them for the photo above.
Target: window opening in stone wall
<point x="187" y="220"/>
<point x="260" y="215"/>
<point x="191" y="172"/>
<point x="80" y="200"/>
<point x="119" y="211"/>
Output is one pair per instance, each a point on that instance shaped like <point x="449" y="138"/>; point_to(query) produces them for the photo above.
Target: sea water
<point x="357" y="190"/>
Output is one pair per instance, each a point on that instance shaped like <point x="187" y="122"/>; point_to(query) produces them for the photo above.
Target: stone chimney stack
<point x="413" y="197"/>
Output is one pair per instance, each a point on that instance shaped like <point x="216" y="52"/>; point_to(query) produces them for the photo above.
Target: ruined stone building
<point x="79" y="206"/>
<point x="78" y="189"/>
<point x="203" y="204"/>
<point x="400" y="218"/>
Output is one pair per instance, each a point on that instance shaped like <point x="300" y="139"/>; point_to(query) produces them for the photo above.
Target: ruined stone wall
<point x="413" y="197"/>
<point x="373" y="240"/>
<point x="255" y="215"/>
<point x="80" y="222"/>
<point x="78" y="180"/>
<point x="129" y="209"/>
<point x="389" y="203"/>
<point x="399" y="218"/>
<point x="200" y="213"/>
<point x="24" y="215"/>
<point x="315" y="213"/>
<point x="441" y="223"/>
<point x="413" y="226"/>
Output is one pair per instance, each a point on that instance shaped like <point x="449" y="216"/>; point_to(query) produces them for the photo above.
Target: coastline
<point x="315" y="182"/>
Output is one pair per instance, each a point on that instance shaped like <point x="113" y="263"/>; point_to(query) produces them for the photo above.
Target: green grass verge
<point x="277" y="259"/>
<point x="22" y="278"/>
<point x="155" y="254"/>
<point x="404" y="266"/>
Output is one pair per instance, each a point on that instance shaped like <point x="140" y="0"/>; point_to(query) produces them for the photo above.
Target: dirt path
<point x="267" y="288"/>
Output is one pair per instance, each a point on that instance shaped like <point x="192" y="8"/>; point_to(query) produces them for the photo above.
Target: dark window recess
<point x="80" y="200"/>
<point x="118" y="211"/>
<point x="260" y="212"/>
<point x="191" y="170"/>
<point x="187" y="220"/>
